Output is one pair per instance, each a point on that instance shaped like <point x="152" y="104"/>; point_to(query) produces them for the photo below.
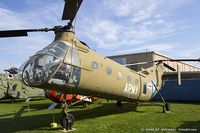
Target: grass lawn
<point x="102" y="118"/>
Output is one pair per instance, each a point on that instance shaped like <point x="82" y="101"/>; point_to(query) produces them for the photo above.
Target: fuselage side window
<point x="145" y="89"/>
<point x="108" y="70"/>
<point x="129" y="78"/>
<point x="119" y="75"/>
<point x="94" y="65"/>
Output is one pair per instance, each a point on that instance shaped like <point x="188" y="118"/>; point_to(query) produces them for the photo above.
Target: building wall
<point x="135" y="58"/>
<point x="188" y="91"/>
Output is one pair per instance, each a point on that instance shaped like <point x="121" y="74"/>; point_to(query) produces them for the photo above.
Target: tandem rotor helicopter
<point x="69" y="66"/>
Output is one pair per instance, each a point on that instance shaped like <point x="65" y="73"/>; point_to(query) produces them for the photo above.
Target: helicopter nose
<point x="38" y="69"/>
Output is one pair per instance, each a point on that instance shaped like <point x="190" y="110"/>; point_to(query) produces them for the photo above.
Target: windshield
<point x="40" y="67"/>
<point x="56" y="48"/>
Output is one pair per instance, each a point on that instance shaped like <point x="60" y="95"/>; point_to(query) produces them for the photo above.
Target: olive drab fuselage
<point x="69" y="66"/>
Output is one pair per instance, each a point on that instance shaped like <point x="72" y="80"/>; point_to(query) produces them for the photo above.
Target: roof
<point x="151" y="52"/>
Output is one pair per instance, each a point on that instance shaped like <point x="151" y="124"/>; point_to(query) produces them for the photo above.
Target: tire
<point x="67" y="121"/>
<point x="167" y="106"/>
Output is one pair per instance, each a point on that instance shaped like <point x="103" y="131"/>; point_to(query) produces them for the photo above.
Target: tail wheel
<point x="167" y="106"/>
<point x="67" y="121"/>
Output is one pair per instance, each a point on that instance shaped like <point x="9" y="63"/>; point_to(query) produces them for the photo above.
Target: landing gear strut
<point x="119" y="104"/>
<point x="166" y="106"/>
<point x="67" y="119"/>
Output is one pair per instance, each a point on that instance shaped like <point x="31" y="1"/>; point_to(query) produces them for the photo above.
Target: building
<point x="135" y="58"/>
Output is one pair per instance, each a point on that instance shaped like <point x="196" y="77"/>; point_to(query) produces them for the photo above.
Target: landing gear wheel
<point x="166" y="107"/>
<point x="138" y="103"/>
<point x="12" y="101"/>
<point x="85" y="104"/>
<point x="119" y="105"/>
<point x="67" y="121"/>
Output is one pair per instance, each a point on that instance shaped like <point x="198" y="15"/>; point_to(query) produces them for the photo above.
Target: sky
<point x="110" y="27"/>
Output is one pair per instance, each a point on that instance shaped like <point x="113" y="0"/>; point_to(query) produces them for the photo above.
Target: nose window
<point x="41" y="66"/>
<point x="40" y="69"/>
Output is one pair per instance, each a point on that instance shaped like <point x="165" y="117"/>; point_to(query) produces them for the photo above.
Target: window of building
<point x="120" y="60"/>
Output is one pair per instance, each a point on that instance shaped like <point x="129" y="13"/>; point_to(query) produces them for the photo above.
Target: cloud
<point x="43" y="15"/>
<point x="184" y="50"/>
<point x="131" y="23"/>
<point x="115" y="26"/>
<point x="17" y="50"/>
<point x="162" y="47"/>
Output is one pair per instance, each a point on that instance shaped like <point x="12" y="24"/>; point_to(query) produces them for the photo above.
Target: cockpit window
<point x="61" y="46"/>
<point x="48" y="66"/>
<point x="57" y="49"/>
<point x="73" y="57"/>
<point x="42" y="66"/>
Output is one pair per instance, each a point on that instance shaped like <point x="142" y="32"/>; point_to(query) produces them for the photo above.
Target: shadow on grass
<point x="18" y="100"/>
<point x="42" y="122"/>
<point x="104" y="110"/>
<point x="33" y="107"/>
<point x="189" y="126"/>
<point x="9" y="125"/>
<point x="185" y="102"/>
<point x="178" y="102"/>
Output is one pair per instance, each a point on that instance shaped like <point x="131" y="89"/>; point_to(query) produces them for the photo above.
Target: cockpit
<point x="47" y="66"/>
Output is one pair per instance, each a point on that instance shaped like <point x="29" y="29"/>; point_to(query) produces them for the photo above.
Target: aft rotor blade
<point x="139" y="63"/>
<point x="20" y="33"/>
<point x="169" y="67"/>
<point x="173" y="60"/>
<point x="70" y="9"/>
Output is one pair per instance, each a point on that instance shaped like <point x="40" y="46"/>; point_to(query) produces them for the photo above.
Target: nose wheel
<point x="67" y="121"/>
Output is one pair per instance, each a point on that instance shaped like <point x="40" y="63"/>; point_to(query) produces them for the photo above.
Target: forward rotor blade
<point x="70" y="9"/>
<point x="13" y="33"/>
<point x="20" y="33"/>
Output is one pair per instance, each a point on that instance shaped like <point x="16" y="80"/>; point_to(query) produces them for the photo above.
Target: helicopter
<point x="70" y="66"/>
<point x="11" y="87"/>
